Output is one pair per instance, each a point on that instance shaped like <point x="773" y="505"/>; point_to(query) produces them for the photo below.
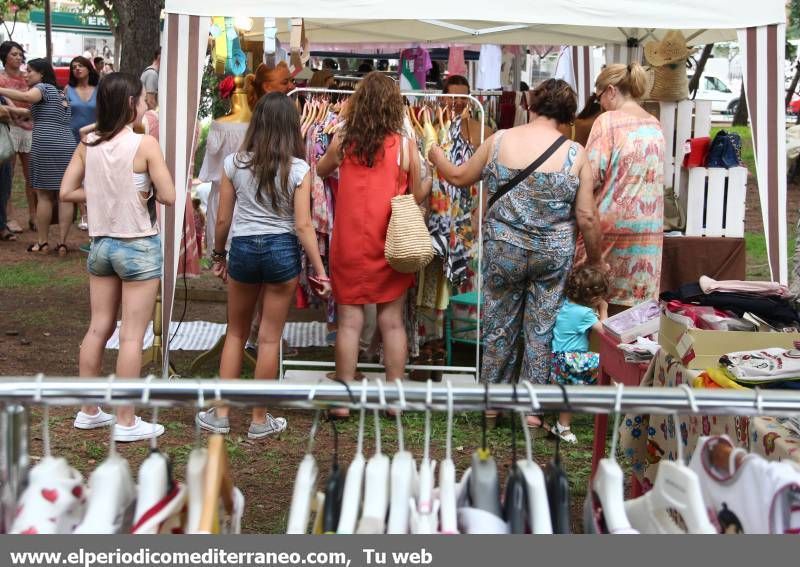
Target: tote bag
<point x="408" y="246"/>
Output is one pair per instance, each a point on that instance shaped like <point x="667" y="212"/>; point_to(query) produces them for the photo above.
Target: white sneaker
<point x="139" y="431"/>
<point x="86" y="421"/>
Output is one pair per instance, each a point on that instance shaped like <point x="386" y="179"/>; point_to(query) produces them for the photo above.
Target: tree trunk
<point x="140" y="33"/>
<point x="741" y="116"/>
<point x="694" y="84"/>
<point x="48" y="32"/>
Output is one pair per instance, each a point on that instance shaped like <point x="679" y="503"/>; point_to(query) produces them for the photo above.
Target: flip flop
<point x="8" y="235"/>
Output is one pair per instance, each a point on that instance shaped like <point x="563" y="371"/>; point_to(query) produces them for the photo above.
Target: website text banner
<point x="393" y="551"/>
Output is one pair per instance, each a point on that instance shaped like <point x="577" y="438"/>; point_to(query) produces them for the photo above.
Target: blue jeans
<point x="6" y="180"/>
<point x="130" y="259"/>
<point x="264" y="258"/>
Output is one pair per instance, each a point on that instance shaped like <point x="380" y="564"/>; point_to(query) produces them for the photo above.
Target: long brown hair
<point x="117" y="97"/>
<point x="272" y="140"/>
<point x="374" y="112"/>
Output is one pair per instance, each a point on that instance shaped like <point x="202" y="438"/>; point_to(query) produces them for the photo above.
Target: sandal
<point x="534" y="421"/>
<point x="564" y="432"/>
<point x="62" y="249"/>
<point x="39" y="247"/>
<point x="8" y="235"/>
<point x="14" y="226"/>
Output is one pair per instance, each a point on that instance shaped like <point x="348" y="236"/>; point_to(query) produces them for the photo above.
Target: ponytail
<point x="630" y="79"/>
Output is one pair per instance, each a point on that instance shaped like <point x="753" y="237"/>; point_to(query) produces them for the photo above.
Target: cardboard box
<point x="699" y="349"/>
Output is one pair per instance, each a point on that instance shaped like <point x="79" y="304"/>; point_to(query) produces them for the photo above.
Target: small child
<point x="583" y="309"/>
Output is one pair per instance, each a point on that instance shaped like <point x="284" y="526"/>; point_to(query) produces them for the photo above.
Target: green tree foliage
<point x="12" y="10"/>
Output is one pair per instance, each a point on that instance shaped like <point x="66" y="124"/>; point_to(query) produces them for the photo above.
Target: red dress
<point x="360" y="274"/>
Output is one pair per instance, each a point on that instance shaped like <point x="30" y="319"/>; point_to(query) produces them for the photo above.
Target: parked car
<point x="722" y="98"/>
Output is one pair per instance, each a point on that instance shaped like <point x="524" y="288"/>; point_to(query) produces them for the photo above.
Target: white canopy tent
<point x="759" y="26"/>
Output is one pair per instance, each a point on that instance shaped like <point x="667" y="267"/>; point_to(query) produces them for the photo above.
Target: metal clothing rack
<point x="410" y="396"/>
<point x="455" y="369"/>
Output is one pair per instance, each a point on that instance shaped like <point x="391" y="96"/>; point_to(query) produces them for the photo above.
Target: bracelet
<point x="218" y="256"/>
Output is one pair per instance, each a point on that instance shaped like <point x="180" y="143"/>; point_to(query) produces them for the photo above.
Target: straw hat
<point x="671" y="49"/>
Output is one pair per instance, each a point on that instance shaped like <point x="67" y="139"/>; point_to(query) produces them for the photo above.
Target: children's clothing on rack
<point x="751" y="495"/>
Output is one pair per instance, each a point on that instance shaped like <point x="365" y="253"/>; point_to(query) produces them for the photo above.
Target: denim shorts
<point x="131" y="259"/>
<point x="264" y="258"/>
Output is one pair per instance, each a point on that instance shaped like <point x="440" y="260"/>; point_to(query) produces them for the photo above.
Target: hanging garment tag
<point x="685" y="348"/>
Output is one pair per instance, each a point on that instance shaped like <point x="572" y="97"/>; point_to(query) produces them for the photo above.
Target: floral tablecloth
<point x="773" y="441"/>
<point x="646" y="439"/>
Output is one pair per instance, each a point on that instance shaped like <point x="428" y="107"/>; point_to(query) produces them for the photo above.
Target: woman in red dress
<point x="376" y="162"/>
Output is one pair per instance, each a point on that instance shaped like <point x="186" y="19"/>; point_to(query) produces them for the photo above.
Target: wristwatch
<point x="218" y="256"/>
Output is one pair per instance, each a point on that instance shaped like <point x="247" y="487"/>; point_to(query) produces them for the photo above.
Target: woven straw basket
<point x="670" y="82"/>
<point x="408" y="244"/>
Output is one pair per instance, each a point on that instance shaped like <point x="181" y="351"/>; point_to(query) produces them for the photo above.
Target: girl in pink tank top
<point x="120" y="175"/>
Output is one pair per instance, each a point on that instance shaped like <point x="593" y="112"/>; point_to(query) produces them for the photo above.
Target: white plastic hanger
<point x="447" y="476"/>
<point x="609" y="480"/>
<point x="196" y="472"/>
<point x="425" y="511"/>
<point x="305" y="482"/>
<point x="677" y="489"/>
<point x="538" y="505"/>
<point x="354" y="481"/>
<point x="376" y="481"/>
<point x="51" y="473"/>
<point x="112" y="490"/>
<point x="154" y="478"/>
<point x="403" y="475"/>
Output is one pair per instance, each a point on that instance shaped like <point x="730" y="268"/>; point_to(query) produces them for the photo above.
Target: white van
<point x="722" y="98"/>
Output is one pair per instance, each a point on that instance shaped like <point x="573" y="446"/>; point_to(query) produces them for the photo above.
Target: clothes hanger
<point x="425" y="510"/>
<point x="609" y="480"/>
<point x="447" y="476"/>
<point x="676" y="490"/>
<point x="484" y="485"/>
<point x="354" y="481"/>
<point x="112" y="490"/>
<point x="403" y="475"/>
<point x="558" y="484"/>
<point x="305" y="482"/>
<point x="218" y="483"/>
<point x="153" y="482"/>
<point x="538" y="504"/>
<point x="196" y="473"/>
<point x="40" y="508"/>
<point x="516" y="497"/>
<point x="376" y="481"/>
<point x="333" y="489"/>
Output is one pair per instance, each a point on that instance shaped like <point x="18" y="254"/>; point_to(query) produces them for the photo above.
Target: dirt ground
<point x="44" y="303"/>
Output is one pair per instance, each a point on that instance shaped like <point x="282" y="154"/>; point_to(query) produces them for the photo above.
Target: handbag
<point x="696" y="152"/>
<point x="408" y="246"/>
<point x="6" y="144"/>
<point x="525" y="173"/>
<point x="725" y="150"/>
<point x="674" y="215"/>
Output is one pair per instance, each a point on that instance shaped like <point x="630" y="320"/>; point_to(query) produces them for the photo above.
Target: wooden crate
<point x="714" y="201"/>
<point x="681" y="121"/>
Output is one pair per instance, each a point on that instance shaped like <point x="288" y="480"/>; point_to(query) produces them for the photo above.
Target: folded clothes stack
<point x="734" y="305"/>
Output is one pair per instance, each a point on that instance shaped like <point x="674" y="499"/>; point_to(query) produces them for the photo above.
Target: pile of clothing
<point x="733" y="305"/>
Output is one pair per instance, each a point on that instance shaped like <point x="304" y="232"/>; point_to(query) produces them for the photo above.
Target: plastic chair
<point x="460" y="329"/>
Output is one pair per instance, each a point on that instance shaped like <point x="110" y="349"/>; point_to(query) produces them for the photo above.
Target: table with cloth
<point x="646" y="439"/>
<point x="686" y="258"/>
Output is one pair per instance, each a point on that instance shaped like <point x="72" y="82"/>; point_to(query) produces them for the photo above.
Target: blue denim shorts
<point x="131" y="259"/>
<point x="264" y="258"/>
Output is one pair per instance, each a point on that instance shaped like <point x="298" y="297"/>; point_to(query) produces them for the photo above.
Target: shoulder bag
<point x="408" y="246"/>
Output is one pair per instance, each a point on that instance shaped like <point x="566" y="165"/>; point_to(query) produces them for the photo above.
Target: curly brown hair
<point x="375" y="111"/>
<point x="586" y="285"/>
